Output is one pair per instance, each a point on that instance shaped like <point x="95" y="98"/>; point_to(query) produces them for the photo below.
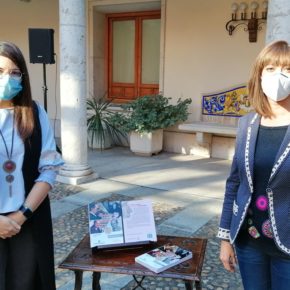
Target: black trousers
<point x="18" y="266"/>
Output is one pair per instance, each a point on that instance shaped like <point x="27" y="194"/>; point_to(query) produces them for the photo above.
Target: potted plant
<point x="102" y="133"/>
<point x="146" y="117"/>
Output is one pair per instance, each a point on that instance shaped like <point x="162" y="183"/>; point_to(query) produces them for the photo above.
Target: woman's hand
<point x="227" y="256"/>
<point x="8" y="227"/>
<point x="18" y="217"/>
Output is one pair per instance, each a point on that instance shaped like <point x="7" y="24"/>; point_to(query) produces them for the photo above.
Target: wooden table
<point x="122" y="261"/>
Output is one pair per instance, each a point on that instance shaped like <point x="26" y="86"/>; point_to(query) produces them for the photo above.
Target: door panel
<point x="124" y="51"/>
<point x="150" y="51"/>
<point x="133" y="55"/>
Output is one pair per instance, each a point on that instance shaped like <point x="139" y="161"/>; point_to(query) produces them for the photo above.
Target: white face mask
<point x="276" y="86"/>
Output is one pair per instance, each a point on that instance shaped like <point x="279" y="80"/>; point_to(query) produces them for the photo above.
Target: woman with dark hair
<point x="28" y="165"/>
<point x="256" y="211"/>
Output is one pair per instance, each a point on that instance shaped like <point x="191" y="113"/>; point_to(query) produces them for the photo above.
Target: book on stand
<point x="121" y="223"/>
<point x="164" y="257"/>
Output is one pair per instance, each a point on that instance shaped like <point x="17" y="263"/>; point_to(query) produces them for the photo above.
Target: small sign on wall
<point x="232" y="103"/>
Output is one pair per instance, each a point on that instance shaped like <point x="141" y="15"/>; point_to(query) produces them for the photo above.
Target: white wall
<point x="200" y="56"/>
<point x="15" y="18"/>
<point x="99" y="79"/>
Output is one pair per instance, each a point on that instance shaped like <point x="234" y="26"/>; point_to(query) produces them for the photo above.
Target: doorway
<point x="133" y="55"/>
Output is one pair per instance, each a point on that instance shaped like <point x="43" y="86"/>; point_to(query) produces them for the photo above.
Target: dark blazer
<point x="41" y="219"/>
<point x="239" y="186"/>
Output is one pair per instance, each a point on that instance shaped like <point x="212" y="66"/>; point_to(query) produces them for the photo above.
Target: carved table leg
<point x="78" y="279"/>
<point x="198" y="285"/>
<point x="96" y="281"/>
<point x="188" y="285"/>
<point x="139" y="282"/>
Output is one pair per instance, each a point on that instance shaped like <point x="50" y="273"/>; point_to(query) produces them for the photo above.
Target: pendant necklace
<point x="9" y="165"/>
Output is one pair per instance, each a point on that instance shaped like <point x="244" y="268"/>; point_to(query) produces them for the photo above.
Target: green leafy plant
<point x="150" y="113"/>
<point x="99" y="123"/>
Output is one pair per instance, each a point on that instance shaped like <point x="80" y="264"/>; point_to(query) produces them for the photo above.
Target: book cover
<point x="117" y="223"/>
<point x="164" y="257"/>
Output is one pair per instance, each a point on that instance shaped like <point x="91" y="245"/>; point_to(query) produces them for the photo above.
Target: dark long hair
<point x="23" y="106"/>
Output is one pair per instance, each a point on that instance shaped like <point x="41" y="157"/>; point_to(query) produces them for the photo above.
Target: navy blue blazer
<point x="239" y="186"/>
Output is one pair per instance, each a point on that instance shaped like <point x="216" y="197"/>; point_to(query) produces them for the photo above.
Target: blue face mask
<point x="9" y="88"/>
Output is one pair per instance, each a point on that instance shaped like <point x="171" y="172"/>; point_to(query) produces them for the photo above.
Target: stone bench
<point x="214" y="135"/>
<point x="205" y="133"/>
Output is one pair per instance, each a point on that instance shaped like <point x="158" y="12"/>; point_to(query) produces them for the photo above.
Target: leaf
<point x="99" y="124"/>
<point x="150" y="113"/>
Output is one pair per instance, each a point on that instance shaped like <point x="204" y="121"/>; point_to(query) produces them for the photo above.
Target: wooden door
<point x="133" y="55"/>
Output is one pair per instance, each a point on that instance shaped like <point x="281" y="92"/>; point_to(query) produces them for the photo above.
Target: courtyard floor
<point x="187" y="195"/>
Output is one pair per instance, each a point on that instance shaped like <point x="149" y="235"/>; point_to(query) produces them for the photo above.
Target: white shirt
<point x="49" y="161"/>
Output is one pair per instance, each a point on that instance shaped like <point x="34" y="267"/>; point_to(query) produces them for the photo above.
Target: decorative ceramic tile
<point x="233" y="102"/>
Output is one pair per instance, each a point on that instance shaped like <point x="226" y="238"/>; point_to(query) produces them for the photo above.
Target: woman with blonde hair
<point x="255" y="221"/>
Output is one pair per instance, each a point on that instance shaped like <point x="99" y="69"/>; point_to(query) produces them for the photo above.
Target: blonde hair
<point x="276" y="53"/>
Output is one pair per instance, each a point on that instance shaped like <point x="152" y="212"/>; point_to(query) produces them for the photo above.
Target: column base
<point x="76" y="174"/>
<point x="76" y="180"/>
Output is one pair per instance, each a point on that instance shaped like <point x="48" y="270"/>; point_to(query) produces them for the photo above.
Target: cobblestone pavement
<point x="213" y="274"/>
<point x="61" y="190"/>
<point x="70" y="228"/>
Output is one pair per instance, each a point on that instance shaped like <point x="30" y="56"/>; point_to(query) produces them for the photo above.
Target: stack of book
<point x="164" y="257"/>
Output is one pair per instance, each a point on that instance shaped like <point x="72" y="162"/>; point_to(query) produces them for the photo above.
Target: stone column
<point x="73" y="93"/>
<point x="278" y="23"/>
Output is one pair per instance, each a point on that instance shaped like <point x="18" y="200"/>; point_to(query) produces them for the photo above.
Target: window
<point x="133" y="55"/>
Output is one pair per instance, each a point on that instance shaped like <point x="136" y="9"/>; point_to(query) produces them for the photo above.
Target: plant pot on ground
<point x="142" y="117"/>
<point x="102" y="133"/>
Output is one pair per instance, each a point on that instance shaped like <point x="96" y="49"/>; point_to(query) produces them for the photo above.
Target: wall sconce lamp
<point x="253" y="23"/>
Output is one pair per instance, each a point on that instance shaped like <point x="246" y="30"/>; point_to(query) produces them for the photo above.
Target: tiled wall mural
<point x="233" y="102"/>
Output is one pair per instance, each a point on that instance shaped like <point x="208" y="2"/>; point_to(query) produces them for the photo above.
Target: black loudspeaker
<point x="41" y="47"/>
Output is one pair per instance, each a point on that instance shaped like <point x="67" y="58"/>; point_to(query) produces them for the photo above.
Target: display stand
<point x="118" y="224"/>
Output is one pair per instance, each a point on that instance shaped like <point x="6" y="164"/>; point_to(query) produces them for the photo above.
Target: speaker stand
<point x="44" y="88"/>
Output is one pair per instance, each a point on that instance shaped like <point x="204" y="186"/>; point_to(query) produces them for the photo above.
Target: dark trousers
<point x="18" y="266"/>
